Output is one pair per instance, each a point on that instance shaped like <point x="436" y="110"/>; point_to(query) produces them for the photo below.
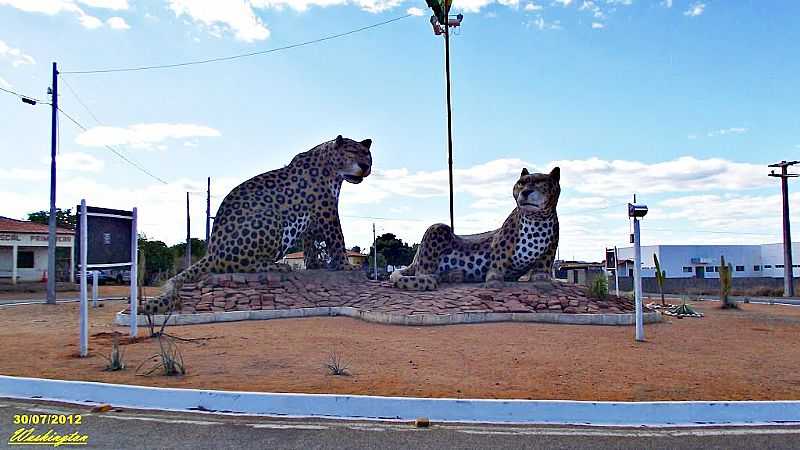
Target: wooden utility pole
<point x="208" y="212"/>
<point x="188" y="255"/>
<point x="51" y="231"/>
<point x="788" y="268"/>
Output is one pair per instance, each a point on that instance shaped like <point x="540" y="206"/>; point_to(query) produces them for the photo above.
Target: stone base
<point x="326" y="289"/>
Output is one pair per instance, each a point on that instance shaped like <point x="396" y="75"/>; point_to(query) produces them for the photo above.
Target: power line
<point x="23" y="96"/>
<point x="242" y="55"/>
<point x="75" y="94"/>
<point x="113" y="150"/>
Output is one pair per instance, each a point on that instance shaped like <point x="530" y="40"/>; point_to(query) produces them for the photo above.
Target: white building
<point x="23" y="251"/>
<point x="703" y="261"/>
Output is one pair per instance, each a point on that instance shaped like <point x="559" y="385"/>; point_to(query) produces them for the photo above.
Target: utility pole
<point x="442" y="23"/>
<point x="375" y="248"/>
<point x="51" y="231"/>
<point x="208" y="212"/>
<point x="188" y="235"/>
<point x="788" y="268"/>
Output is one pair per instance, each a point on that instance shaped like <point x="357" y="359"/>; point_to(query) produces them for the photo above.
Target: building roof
<point x="299" y="255"/>
<point x="9" y="225"/>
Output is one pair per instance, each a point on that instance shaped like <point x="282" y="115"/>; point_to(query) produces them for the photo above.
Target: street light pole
<point x="449" y="120"/>
<point x="442" y="23"/>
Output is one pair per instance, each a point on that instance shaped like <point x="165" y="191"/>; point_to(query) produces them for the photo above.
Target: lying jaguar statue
<point x="526" y="243"/>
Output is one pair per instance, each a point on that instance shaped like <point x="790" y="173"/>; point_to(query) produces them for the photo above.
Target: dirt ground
<point x="105" y="291"/>
<point x="750" y="354"/>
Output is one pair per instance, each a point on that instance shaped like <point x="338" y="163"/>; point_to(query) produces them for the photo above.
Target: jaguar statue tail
<point x="169" y="300"/>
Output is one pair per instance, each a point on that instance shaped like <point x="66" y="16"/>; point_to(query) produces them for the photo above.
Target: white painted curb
<point x="422" y="319"/>
<point x="358" y="407"/>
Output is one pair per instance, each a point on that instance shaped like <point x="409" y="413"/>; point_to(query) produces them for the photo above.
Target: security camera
<point x="636" y="210"/>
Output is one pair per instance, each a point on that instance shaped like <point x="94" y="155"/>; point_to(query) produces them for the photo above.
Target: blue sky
<point x="683" y="102"/>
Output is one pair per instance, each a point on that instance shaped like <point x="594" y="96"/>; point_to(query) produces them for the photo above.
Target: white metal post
<point x="134" y="274"/>
<point x="637" y="279"/>
<point x="375" y="248"/>
<point x="14" y="270"/>
<point x="616" y="270"/>
<point x="72" y="261"/>
<point x="84" y="320"/>
<point x="95" y="283"/>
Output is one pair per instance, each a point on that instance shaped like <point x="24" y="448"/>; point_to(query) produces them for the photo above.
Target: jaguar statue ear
<point x="367" y="143"/>
<point x="524" y="172"/>
<point x="339" y="140"/>
<point x="555" y="174"/>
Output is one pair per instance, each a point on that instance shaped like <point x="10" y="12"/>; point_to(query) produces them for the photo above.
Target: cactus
<point x="725" y="282"/>
<point x="660" y="275"/>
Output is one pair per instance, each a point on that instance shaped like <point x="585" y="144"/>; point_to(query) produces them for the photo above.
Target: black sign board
<point x="109" y="237"/>
<point x="611" y="259"/>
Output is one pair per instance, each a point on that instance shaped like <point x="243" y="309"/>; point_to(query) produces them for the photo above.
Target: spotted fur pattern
<point x="526" y="243"/>
<point x="262" y="218"/>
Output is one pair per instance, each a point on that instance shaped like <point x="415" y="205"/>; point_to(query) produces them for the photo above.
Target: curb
<point x="360" y="407"/>
<point x="123" y="319"/>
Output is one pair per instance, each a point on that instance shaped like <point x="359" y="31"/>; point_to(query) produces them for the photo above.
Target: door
<point x="700" y="272"/>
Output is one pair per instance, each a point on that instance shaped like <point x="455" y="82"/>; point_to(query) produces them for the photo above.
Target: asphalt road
<point x="155" y="430"/>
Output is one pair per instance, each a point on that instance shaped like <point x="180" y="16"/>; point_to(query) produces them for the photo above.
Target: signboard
<point x="611" y="259"/>
<point x="108" y="239"/>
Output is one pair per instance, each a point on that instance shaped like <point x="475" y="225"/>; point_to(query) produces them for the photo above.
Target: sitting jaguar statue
<point x="525" y="244"/>
<point x="262" y="218"/>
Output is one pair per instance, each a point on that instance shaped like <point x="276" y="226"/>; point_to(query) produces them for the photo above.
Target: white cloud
<point x="117" y="23"/>
<point x="53" y="7"/>
<point x="695" y="9"/>
<point x="236" y="16"/>
<point x="470" y="6"/>
<point x="541" y="24"/>
<point x="414" y="11"/>
<point x="90" y="22"/>
<point x="14" y="55"/>
<point x="597" y="25"/>
<point x="533" y="7"/>
<point x="18" y="174"/>
<point x="77" y="162"/>
<point x="4" y="83"/>
<point x="143" y="136"/>
<point x="667" y="3"/>
<point x="563" y="3"/>
<point x="724" y="131"/>
<point x="106" y="4"/>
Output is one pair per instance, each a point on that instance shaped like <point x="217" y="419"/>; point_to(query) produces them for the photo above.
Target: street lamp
<point x="441" y="21"/>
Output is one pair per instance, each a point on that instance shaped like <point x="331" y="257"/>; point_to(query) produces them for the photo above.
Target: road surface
<point x="150" y="429"/>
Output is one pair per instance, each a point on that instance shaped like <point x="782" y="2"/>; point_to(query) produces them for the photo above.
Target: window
<point x="687" y="270"/>
<point x="756" y="268"/>
<point x="768" y="266"/>
<point x="740" y="268"/>
<point x="713" y="269"/>
<point x="779" y="266"/>
<point x="25" y="260"/>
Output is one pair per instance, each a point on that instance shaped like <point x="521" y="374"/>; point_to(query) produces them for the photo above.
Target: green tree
<point x="198" y="249"/>
<point x="64" y="218"/>
<point x="159" y="259"/>
<point x="396" y="252"/>
<point x="356" y="249"/>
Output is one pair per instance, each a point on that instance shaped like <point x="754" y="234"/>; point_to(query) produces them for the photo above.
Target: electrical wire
<point x="23" y="96"/>
<point x="78" y="98"/>
<point x="113" y="150"/>
<point x="231" y="57"/>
